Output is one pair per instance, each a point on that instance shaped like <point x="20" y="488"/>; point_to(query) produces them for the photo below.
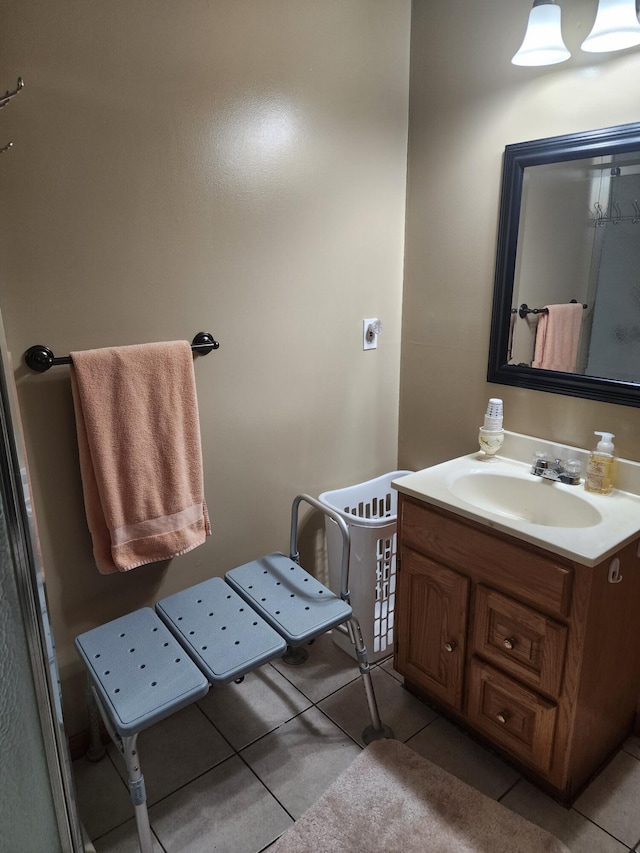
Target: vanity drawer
<point x="519" y="640"/>
<point x="486" y="557"/>
<point x="514" y="717"/>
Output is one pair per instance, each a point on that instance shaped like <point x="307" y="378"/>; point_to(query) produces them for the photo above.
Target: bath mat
<point x="391" y="800"/>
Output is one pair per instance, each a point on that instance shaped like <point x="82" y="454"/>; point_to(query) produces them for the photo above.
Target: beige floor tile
<point x="613" y="799"/>
<point x="226" y="809"/>
<point x="579" y="834"/>
<point x="301" y="759"/>
<point x="97" y="783"/>
<point x="175" y="751"/>
<point x="87" y="844"/>
<point x="124" y="839"/>
<point x="452" y="750"/>
<point x="262" y="702"/>
<point x="388" y="667"/>
<point x="328" y="669"/>
<point x="206" y="800"/>
<point x="398" y="709"/>
<point x="632" y="746"/>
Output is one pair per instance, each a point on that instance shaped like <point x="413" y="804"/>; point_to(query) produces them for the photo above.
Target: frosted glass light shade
<point x="543" y="44"/>
<point x="616" y="27"/>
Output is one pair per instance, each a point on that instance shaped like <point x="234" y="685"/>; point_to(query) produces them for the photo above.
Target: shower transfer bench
<point x="146" y="665"/>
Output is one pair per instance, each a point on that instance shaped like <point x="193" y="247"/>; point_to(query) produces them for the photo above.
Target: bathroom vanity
<point x="523" y="632"/>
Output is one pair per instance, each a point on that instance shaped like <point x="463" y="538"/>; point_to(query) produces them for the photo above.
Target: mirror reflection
<point x="579" y="252"/>
<point x="566" y="307"/>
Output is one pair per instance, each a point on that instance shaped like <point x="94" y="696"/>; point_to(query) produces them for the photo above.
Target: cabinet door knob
<point x="509" y="643"/>
<point x="502" y="718"/>
<point x="449" y="647"/>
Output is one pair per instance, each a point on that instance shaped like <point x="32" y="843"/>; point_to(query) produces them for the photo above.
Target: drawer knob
<point x="450" y="646"/>
<point x="502" y="718"/>
<point x="509" y="643"/>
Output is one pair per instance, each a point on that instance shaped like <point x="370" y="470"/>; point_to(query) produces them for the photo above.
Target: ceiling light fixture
<point x="543" y="44"/>
<point x="616" y="27"/>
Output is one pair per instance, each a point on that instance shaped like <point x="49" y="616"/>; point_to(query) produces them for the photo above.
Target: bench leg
<point x="295" y="656"/>
<point x="377" y="730"/>
<point x="96" y="749"/>
<point x="137" y="791"/>
<point x="127" y="747"/>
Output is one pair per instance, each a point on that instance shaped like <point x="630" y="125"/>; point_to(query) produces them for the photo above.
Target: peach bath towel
<point x="140" y="452"/>
<point x="557" y="337"/>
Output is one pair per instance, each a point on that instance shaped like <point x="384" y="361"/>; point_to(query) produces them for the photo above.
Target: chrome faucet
<point x="557" y="470"/>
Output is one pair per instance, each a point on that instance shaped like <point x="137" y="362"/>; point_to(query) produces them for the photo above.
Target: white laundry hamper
<point x="370" y="511"/>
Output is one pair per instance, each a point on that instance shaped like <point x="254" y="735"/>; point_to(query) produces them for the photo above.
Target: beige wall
<point x="235" y="166"/>
<point x="467" y="102"/>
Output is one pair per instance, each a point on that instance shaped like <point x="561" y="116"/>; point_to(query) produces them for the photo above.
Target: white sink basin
<point x="536" y="501"/>
<point x="503" y="494"/>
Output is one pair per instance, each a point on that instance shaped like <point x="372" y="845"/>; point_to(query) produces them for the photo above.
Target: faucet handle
<point x="564" y="471"/>
<point x="573" y="471"/>
<point x="540" y="462"/>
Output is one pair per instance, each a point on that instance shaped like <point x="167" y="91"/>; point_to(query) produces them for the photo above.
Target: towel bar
<point x="41" y="358"/>
<point x="524" y="309"/>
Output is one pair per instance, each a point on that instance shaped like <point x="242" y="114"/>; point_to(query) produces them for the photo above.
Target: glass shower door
<point x="37" y="804"/>
<point x="27" y="811"/>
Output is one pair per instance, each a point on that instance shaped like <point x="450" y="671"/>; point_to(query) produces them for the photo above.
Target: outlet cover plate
<point x="369" y="343"/>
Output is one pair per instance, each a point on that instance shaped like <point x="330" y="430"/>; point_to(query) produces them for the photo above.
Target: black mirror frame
<point x="574" y="146"/>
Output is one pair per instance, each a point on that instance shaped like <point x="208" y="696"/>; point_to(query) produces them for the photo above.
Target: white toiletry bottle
<point x="599" y="476"/>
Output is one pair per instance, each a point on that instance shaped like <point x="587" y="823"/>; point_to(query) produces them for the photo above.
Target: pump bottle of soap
<point x="599" y="476"/>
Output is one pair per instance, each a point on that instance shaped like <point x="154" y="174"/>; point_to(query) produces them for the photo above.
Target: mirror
<point x="569" y="232"/>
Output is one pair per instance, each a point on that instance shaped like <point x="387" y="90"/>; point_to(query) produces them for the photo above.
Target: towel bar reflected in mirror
<point x="524" y="309"/>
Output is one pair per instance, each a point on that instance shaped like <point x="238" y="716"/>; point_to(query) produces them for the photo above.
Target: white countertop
<point x="619" y="512"/>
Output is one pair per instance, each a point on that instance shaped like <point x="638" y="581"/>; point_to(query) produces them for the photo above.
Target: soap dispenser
<point x="599" y="476"/>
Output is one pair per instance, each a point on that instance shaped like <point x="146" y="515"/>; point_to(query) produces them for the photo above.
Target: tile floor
<point x="233" y="771"/>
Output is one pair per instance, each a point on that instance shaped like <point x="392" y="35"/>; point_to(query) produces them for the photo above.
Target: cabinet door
<point x="433" y="602"/>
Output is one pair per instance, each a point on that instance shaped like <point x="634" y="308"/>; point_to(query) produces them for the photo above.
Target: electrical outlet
<point x="370" y="331"/>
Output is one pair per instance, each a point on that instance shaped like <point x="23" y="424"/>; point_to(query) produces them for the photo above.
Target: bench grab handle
<point x="344" y="530"/>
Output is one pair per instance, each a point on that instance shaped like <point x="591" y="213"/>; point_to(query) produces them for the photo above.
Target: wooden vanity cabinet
<point x="533" y="653"/>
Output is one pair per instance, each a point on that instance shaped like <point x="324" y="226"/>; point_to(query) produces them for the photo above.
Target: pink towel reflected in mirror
<point x="557" y="337"/>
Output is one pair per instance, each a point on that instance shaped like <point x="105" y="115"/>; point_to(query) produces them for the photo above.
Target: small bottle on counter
<point x="599" y="475"/>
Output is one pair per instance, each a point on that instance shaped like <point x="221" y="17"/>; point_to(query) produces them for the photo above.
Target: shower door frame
<point x="29" y="578"/>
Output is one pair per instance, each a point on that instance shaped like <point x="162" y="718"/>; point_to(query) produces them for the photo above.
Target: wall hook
<point x="618" y="213"/>
<point x="600" y="215"/>
<point x="4" y="99"/>
<point x="614" y="575"/>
